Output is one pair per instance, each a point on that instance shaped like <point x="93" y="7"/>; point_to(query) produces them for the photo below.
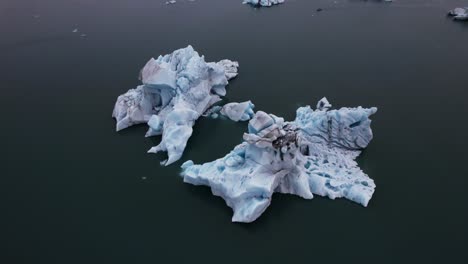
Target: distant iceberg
<point x="177" y="89"/>
<point x="314" y="154"/>
<point x="263" y="2"/>
<point x="459" y="13"/>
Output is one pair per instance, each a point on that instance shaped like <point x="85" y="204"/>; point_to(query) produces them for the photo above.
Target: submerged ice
<point x="314" y="154"/>
<point x="177" y="89"/>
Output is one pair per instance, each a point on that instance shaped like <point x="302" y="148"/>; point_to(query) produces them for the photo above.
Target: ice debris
<point x="238" y="111"/>
<point x="459" y="13"/>
<point x="234" y="111"/>
<point x="263" y="2"/>
<point x="323" y="104"/>
<point x="177" y="88"/>
<point x="314" y="154"/>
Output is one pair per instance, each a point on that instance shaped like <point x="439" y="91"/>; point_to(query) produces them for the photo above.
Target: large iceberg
<point x="314" y="154"/>
<point x="459" y="13"/>
<point x="263" y="2"/>
<point x="177" y="88"/>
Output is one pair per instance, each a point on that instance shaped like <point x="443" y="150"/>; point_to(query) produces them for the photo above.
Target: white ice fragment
<point x="261" y="121"/>
<point x="238" y="111"/>
<point x="315" y="154"/>
<point x="263" y="2"/>
<point x="213" y="112"/>
<point x="323" y="104"/>
<point x="177" y="89"/>
<point x="75" y="30"/>
<point x="230" y="68"/>
<point x="459" y="13"/>
<point x="170" y="2"/>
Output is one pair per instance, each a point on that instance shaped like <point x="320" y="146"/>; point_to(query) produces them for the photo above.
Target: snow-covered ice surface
<point x="314" y="154"/>
<point x="263" y="2"/>
<point x="459" y="13"/>
<point x="177" y="89"/>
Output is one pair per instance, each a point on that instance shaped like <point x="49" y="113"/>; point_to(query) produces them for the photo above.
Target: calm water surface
<point x="73" y="190"/>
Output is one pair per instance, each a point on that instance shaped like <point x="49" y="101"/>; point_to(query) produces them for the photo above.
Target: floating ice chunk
<point x="230" y="68"/>
<point x="238" y="111"/>
<point x="315" y="154"/>
<point x="459" y="13"/>
<point x="177" y="88"/>
<point x="263" y="2"/>
<point x="170" y="2"/>
<point x="323" y="104"/>
<point x="234" y="111"/>
<point x="213" y="112"/>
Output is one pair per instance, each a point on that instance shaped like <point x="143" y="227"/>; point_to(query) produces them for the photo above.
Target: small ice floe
<point x="170" y="2"/>
<point x="75" y="30"/>
<point x="238" y="111"/>
<point x="459" y="13"/>
<point x="83" y="35"/>
<point x="263" y="2"/>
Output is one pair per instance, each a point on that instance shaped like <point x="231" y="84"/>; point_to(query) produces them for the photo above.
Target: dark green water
<point x="72" y="189"/>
